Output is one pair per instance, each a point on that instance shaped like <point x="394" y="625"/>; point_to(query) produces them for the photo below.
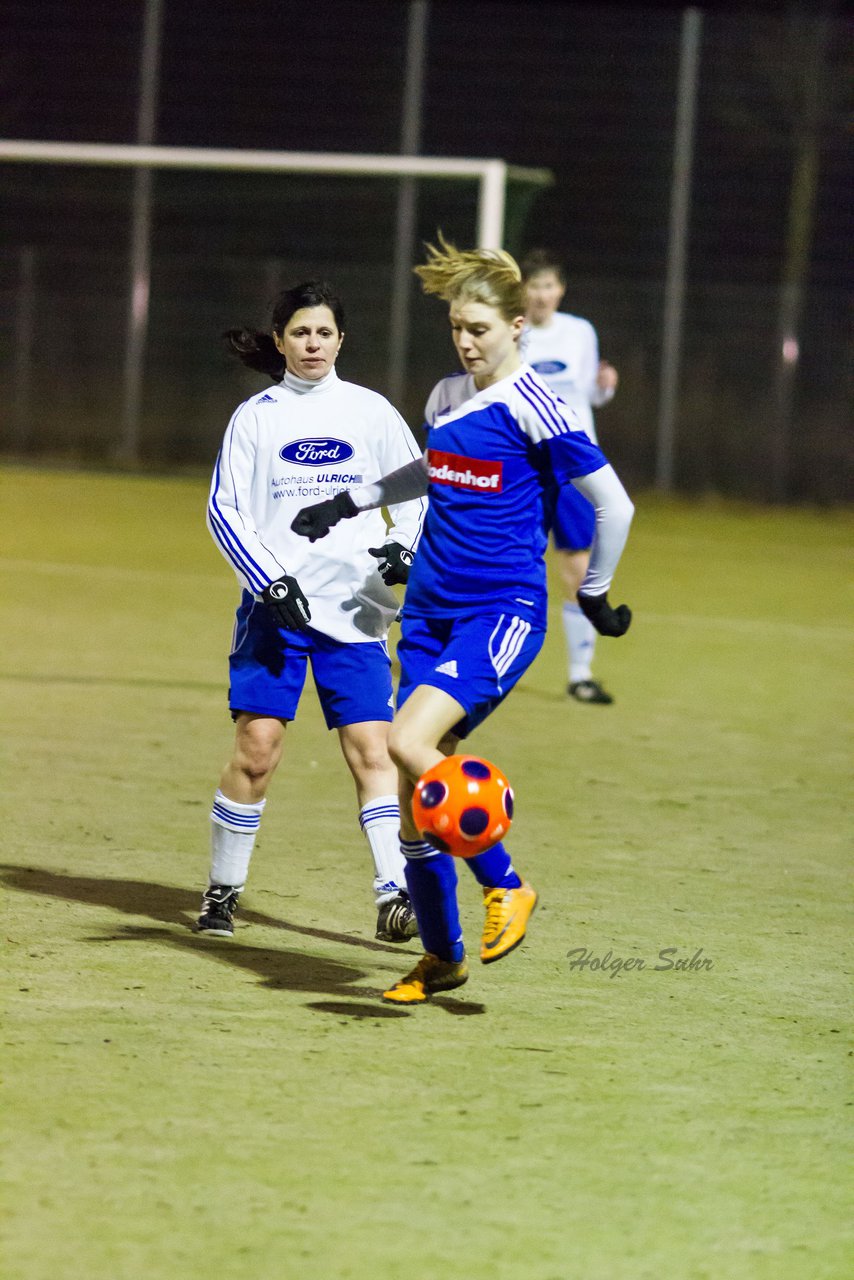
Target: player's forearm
<point x="398" y="486"/>
<point x="232" y="527"/>
<point x="254" y="565"/>
<point x="614" y="511"/>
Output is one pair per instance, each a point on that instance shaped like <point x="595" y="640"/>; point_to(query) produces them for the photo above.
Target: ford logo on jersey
<point x="318" y="451"/>
<point x="548" y="366"/>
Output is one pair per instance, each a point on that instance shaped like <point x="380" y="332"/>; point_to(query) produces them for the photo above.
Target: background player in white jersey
<point x="564" y="351"/>
<point x="309" y="433"/>
<point x="500" y="446"/>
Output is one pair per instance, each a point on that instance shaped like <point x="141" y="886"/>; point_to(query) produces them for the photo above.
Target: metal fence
<point x="593" y="93"/>
<point x="63" y="334"/>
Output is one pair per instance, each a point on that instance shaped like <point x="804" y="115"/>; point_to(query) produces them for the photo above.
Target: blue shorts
<point x="574" y="520"/>
<point x="268" y="666"/>
<point x="477" y="658"/>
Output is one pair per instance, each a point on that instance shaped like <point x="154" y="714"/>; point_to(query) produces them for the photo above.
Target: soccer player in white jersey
<point x="309" y="433"/>
<point x="500" y="447"/>
<point x="564" y="351"/>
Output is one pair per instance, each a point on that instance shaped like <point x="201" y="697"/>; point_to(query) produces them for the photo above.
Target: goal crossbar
<point x="491" y="175"/>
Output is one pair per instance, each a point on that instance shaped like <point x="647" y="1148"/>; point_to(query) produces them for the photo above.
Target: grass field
<point x="250" y="1109"/>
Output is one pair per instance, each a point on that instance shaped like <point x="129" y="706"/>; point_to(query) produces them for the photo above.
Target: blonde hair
<point x="490" y="276"/>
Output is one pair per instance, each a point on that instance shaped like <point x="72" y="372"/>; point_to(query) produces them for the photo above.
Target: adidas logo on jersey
<point x="266" y="399"/>
<point x="448" y="669"/>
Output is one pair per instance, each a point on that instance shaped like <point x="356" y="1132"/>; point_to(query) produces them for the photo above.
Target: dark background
<point x="586" y="91"/>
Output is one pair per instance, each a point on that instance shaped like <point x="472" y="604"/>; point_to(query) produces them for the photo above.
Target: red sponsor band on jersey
<point x="455" y="469"/>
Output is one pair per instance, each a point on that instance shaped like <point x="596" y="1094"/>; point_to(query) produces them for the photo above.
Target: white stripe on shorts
<point x="511" y="643"/>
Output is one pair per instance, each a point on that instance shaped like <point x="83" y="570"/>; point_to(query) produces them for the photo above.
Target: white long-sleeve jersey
<point x="301" y="442"/>
<point x="565" y="353"/>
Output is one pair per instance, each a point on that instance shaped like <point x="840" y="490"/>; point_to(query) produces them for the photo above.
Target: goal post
<point x="491" y="175"/>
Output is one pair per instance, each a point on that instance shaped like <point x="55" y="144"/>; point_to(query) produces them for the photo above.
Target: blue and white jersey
<point x="495" y="460"/>
<point x="300" y="442"/>
<point x="565" y="353"/>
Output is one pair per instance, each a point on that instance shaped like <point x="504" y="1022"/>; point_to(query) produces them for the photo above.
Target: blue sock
<point x="493" y="868"/>
<point x="431" y="879"/>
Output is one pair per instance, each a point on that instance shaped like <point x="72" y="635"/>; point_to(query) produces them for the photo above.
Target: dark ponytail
<point x="257" y="351"/>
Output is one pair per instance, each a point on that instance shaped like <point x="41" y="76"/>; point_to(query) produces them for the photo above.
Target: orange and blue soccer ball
<point x="463" y="805"/>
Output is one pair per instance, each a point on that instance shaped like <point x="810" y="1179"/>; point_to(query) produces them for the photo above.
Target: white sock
<point x="580" y="642"/>
<point x="380" y="821"/>
<point x="233" y="830"/>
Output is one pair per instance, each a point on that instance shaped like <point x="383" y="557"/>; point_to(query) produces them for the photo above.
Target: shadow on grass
<point x="285" y="970"/>
<point x="162" y="902"/>
<point x="353" y="1010"/>
<point x="277" y="969"/>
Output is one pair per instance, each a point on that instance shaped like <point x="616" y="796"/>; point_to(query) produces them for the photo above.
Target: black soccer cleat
<point x="396" y="919"/>
<point x="219" y="904"/>
<point x="589" y="691"/>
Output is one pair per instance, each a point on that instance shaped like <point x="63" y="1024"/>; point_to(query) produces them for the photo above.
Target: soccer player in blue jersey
<point x="564" y="350"/>
<point x="500" y="448"/>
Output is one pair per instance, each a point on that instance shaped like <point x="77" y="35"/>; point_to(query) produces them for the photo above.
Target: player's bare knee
<point x="373" y="762"/>
<point x="257" y="751"/>
<point x="256" y="770"/>
<point x="404" y="749"/>
<point x="367" y="754"/>
<point x="396" y="748"/>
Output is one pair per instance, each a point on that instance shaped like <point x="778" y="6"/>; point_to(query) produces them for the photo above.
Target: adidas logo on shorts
<point x="448" y="669"/>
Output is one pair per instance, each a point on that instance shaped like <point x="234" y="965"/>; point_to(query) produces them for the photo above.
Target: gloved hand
<point x="607" y="621"/>
<point x="315" y="522"/>
<point x="287" y="603"/>
<point x="394" y="562"/>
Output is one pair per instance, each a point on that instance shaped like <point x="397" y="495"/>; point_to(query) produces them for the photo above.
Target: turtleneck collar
<point x="303" y="387"/>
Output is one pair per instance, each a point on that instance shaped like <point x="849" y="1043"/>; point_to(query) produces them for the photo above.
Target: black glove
<point x="607" y="621"/>
<point x="394" y="562"/>
<point x="287" y="603"/>
<point x="316" y="521"/>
